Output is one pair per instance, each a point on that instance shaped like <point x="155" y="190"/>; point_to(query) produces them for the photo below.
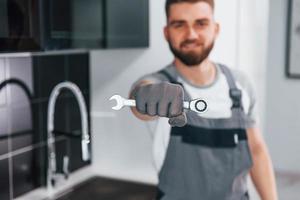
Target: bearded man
<point x="206" y="156"/>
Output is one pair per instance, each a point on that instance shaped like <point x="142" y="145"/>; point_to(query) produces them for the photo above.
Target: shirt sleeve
<point x="247" y="86"/>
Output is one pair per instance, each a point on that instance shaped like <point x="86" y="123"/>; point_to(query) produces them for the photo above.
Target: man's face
<point x="191" y="31"/>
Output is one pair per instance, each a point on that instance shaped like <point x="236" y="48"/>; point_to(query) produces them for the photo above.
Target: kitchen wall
<point x="252" y="50"/>
<point x="25" y="86"/>
<point x="18" y="138"/>
<point x="282" y="96"/>
<point x="122" y="143"/>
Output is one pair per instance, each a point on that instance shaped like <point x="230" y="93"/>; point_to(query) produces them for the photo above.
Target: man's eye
<point x="177" y="25"/>
<point x="201" y="24"/>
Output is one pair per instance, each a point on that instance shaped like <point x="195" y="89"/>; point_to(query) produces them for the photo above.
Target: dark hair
<point x="170" y="2"/>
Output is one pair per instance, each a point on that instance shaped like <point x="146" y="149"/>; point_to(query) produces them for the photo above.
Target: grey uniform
<point x="208" y="159"/>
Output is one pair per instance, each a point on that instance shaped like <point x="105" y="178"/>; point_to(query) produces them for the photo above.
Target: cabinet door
<point x="19" y="25"/>
<point x="71" y="24"/>
<point x="4" y="180"/>
<point x="127" y="23"/>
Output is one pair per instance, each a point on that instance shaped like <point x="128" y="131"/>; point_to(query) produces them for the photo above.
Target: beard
<point x="191" y="58"/>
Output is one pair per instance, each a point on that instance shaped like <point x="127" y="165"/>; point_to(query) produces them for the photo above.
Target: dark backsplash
<point x="23" y="118"/>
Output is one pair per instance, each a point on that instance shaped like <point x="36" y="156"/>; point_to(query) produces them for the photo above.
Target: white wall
<point x="226" y="46"/>
<point x="252" y="54"/>
<point x="252" y="48"/>
<point x="121" y="143"/>
<point x="282" y="96"/>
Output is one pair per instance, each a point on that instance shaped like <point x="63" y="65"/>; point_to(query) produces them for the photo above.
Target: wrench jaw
<point x="119" y="101"/>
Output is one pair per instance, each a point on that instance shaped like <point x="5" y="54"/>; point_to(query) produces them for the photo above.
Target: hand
<point x="161" y="99"/>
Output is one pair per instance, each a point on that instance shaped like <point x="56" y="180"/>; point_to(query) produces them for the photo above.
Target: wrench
<point x="196" y="105"/>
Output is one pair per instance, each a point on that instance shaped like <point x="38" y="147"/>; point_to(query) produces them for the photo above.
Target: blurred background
<point x="103" y="46"/>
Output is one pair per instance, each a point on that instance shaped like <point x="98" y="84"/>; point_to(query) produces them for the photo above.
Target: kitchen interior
<point x="61" y="61"/>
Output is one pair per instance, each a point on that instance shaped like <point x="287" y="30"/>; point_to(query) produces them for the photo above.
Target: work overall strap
<point x="234" y="93"/>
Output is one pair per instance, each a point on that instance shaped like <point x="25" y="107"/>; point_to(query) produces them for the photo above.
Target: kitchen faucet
<point x="52" y="174"/>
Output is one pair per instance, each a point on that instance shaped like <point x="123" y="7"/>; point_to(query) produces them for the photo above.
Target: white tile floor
<point x="288" y="185"/>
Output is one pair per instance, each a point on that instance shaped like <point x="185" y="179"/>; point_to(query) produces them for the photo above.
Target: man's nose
<point x="192" y="34"/>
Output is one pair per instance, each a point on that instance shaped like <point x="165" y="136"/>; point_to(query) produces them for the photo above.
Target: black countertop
<point x="98" y="188"/>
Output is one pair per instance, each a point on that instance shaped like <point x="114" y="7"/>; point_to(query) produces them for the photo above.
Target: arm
<point x="262" y="173"/>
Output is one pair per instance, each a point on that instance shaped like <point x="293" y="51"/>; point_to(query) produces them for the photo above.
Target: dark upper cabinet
<point x="41" y="25"/>
<point x="127" y="23"/>
<point x="96" y="24"/>
<point x="20" y="29"/>
<point x="70" y="24"/>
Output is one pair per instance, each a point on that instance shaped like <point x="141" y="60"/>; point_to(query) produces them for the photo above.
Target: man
<point x="206" y="156"/>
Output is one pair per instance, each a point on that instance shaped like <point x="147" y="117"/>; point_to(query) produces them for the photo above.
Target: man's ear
<point x="217" y="28"/>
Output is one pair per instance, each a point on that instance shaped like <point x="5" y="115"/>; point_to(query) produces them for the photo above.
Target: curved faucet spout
<point x="85" y="139"/>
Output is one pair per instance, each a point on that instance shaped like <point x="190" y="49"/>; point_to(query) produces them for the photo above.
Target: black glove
<point x="161" y="99"/>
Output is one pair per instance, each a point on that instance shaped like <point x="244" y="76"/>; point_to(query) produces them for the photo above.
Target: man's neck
<point x="201" y="75"/>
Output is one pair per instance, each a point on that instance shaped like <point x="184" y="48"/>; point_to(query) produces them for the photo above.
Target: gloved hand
<point x="161" y="99"/>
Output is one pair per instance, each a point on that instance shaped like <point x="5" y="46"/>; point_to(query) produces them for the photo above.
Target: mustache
<point x="187" y="42"/>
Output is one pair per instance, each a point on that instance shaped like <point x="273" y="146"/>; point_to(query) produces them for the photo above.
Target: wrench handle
<point x="129" y="102"/>
<point x="192" y="105"/>
<point x="186" y="105"/>
<point x="132" y="103"/>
